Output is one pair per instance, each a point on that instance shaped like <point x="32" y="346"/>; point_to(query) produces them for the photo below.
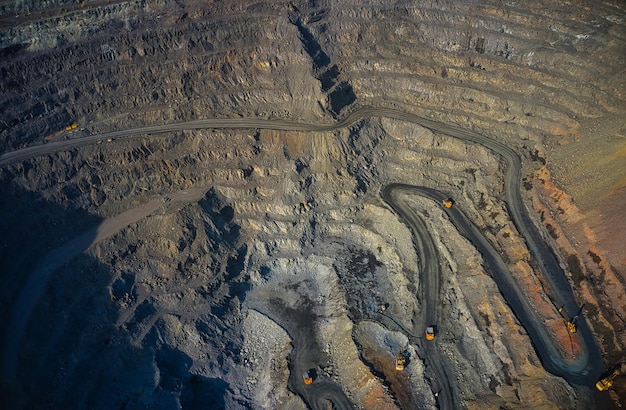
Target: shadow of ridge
<point x="35" y="226"/>
<point x="31" y="227"/>
<point x="74" y="356"/>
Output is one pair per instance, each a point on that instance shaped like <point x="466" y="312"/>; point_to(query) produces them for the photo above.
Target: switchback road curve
<point x="441" y="374"/>
<point x="584" y="371"/>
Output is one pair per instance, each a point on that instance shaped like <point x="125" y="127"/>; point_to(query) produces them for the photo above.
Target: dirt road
<point x="440" y="371"/>
<point x="584" y="371"/>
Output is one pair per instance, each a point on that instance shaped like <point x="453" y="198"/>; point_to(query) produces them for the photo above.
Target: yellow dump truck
<point x="400" y="360"/>
<point x="308" y="377"/>
<point x="430" y="333"/>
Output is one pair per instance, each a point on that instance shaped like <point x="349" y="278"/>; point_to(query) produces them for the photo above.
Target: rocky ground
<point x="206" y="302"/>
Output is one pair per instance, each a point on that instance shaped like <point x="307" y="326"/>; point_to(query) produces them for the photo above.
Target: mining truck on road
<point x="430" y="333"/>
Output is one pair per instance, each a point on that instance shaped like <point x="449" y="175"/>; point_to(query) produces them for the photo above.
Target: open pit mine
<point x="312" y="204"/>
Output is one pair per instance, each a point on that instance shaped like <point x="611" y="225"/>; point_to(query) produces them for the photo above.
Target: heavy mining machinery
<point x="571" y="323"/>
<point x="607" y="382"/>
<point x="400" y="359"/>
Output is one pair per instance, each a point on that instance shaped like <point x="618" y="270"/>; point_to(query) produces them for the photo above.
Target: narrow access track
<point x="583" y="371"/>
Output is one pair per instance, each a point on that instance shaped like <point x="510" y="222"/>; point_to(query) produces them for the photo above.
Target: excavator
<point x="448" y="203"/>
<point x="571" y="324"/>
<point x="400" y="359"/>
<point x="607" y="382"/>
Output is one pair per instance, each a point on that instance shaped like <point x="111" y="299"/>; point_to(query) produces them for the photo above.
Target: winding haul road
<point x="440" y="372"/>
<point x="584" y="371"/>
